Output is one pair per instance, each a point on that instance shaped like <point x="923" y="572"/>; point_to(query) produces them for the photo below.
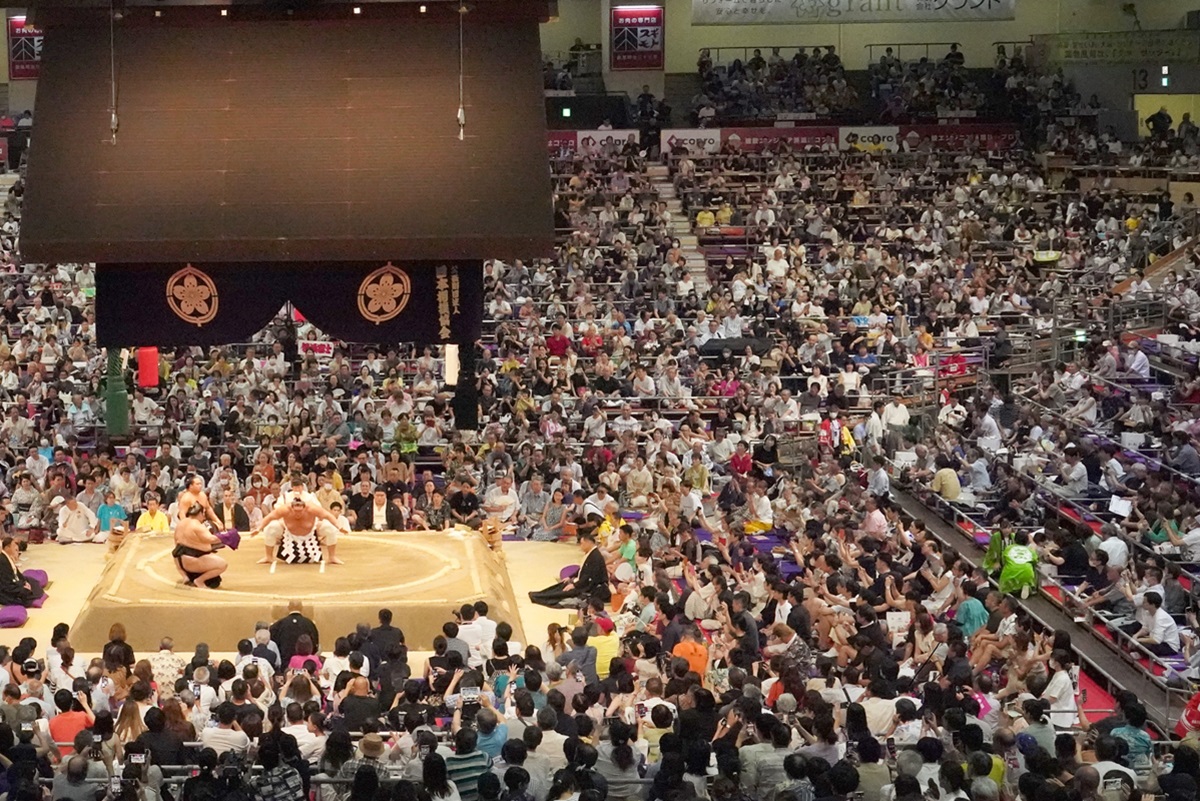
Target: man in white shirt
<point x="719" y="450"/>
<point x="486" y="624"/>
<point x="895" y="414"/>
<point x="224" y="737"/>
<point x="502" y="500"/>
<point x="76" y="522"/>
<point x="595" y="425"/>
<point x="733" y="326"/>
<point x="787" y="409"/>
<point x="246" y="658"/>
<point x="988" y="433"/>
<point x="206" y="695"/>
<point x="626" y="422"/>
<point x="143" y="408"/>
<point x="37" y="464"/>
<point x="1072" y="474"/>
<point x="1159" y="633"/>
<point x="1112" y="544"/>
<point x="689" y="502"/>
<point x="764" y="214"/>
<point x="551" y="749"/>
<point x="598" y="501"/>
<point x="311" y="746"/>
<point x="875" y="428"/>
<point x="1136" y="362"/>
<point x="470" y="632"/>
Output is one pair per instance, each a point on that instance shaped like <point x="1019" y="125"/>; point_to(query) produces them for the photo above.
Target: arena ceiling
<point x="274" y="134"/>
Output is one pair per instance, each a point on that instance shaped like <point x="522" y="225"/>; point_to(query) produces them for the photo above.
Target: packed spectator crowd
<point x="903" y="91"/>
<point x="755" y="615"/>
<point x="765" y="86"/>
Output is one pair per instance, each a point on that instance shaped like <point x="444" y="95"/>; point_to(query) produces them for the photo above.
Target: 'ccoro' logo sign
<point x="870" y="139"/>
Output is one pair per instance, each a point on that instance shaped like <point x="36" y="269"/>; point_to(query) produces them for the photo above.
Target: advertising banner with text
<point x="591" y="141"/>
<point x="1126" y="47"/>
<point x="801" y="12"/>
<point x="561" y="141"/>
<point x="869" y="138"/>
<point x="815" y="136"/>
<point x="707" y="140"/>
<point x="637" y="41"/>
<point x="967" y="136"/>
<point x="24" y="50"/>
<point x="588" y="141"/>
<point x="865" y="138"/>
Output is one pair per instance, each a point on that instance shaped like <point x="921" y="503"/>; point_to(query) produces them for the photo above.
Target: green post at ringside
<point x="116" y="398"/>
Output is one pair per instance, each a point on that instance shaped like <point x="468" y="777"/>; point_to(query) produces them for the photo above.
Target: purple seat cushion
<point x="38" y="575"/>
<point x="12" y="617"/>
<point x="37" y="602"/>
<point x="567" y="572"/>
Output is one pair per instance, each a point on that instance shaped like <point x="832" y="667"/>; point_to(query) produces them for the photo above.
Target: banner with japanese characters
<point x="800" y="12"/>
<point x="1126" y="47"/>
<point x="636" y="40"/>
<point x="966" y="137"/>
<point x="24" y="50"/>
<point x="561" y="142"/>
<point x="801" y="138"/>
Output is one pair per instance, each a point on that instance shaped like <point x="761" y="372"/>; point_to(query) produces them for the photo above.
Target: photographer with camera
<point x="138" y="779"/>
<point x="217" y="779"/>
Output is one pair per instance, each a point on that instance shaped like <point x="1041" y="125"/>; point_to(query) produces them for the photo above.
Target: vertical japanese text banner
<point x="636" y="38"/>
<point x="24" y="50"/>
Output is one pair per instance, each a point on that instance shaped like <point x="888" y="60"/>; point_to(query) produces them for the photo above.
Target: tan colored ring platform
<point x="420" y="576"/>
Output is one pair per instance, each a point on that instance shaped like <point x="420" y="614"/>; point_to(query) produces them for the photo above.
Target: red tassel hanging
<point x="147" y="367"/>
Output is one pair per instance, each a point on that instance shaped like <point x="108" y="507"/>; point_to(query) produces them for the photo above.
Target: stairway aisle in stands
<point x="681" y="227"/>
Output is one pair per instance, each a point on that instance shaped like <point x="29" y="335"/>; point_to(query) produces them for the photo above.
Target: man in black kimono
<point x="590" y="582"/>
<point x="288" y="629"/>
<point x="15" y="587"/>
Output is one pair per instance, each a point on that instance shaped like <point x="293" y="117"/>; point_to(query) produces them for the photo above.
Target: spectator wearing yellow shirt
<point x="725" y="214"/>
<point x="603" y="637"/>
<point x="945" y="480"/>
<point x="705" y="219"/>
<point x="153" y="519"/>
<point x="326" y="494"/>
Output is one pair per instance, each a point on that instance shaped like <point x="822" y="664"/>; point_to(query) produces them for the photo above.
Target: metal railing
<point x="744" y="54"/>
<point x="589" y="61"/>
<point x="875" y="51"/>
<point x="1012" y="46"/>
<point x="1082" y="509"/>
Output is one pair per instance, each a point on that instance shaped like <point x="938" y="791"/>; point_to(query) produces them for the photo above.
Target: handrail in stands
<point x="1016" y="44"/>
<point x="899" y="46"/>
<point x="786" y="51"/>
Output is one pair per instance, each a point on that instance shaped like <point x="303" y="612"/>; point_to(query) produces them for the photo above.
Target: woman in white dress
<point x="1060" y="692"/>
